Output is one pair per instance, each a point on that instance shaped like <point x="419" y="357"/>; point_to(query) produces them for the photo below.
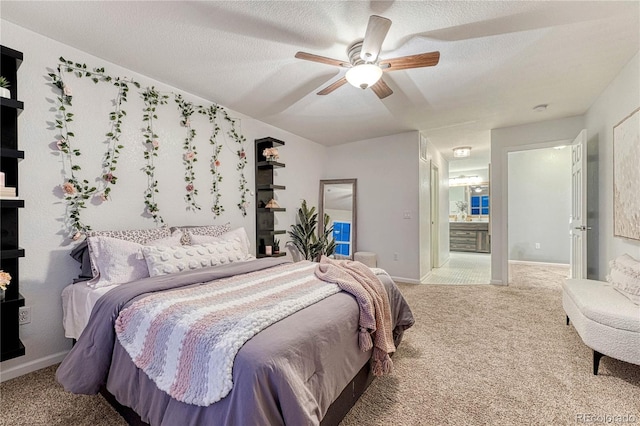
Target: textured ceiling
<point x="498" y="59"/>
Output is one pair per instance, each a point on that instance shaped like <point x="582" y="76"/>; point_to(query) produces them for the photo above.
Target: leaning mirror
<point x="338" y="200"/>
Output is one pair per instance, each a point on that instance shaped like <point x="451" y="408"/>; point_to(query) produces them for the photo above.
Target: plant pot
<point x="5" y="93"/>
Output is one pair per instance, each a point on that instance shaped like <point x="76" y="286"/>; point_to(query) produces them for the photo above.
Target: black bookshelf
<point x="10" y="344"/>
<point x="265" y="191"/>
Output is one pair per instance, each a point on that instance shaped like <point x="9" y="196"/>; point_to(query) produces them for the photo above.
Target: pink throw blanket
<point x="375" y="312"/>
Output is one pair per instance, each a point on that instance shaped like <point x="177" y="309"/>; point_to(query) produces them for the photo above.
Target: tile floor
<point x="462" y="268"/>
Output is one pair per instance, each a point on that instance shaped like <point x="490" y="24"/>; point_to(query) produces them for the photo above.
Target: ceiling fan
<point x="365" y="68"/>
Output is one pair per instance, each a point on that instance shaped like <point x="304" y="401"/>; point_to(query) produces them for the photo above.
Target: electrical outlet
<point x="24" y="315"/>
<point x="395" y="256"/>
<point x="537" y="246"/>
<point x="407" y="215"/>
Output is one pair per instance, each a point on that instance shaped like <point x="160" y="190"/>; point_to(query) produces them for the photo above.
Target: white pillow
<point x="624" y="276"/>
<point x="238" y="235"/>
<point x="170" y="260"/>
<point x="119" y="261"/>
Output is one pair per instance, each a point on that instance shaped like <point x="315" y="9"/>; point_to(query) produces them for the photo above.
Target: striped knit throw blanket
<point x="186" y="340"/>
<point x="375" y="312"/>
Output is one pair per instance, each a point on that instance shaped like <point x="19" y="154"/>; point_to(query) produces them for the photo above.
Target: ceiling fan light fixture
<point x="364" y="75"/>
<point x="461" y="152"/>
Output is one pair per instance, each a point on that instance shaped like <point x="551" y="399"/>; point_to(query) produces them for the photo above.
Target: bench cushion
<point x="601" y="303"/>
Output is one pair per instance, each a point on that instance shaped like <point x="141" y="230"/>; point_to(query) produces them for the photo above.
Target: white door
<point x="578" y="220"/>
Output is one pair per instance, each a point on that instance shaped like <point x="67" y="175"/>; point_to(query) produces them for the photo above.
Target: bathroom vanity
<point x="469" y="237"/>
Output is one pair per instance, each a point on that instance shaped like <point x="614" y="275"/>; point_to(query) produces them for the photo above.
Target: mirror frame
<point x="354" y="208"/>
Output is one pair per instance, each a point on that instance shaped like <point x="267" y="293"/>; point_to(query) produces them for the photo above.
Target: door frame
<point x="504" y="189"/>
<point x="434" y="216"/>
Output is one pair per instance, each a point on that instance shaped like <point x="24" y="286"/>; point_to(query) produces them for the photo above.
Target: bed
<point x="291" y="372"/>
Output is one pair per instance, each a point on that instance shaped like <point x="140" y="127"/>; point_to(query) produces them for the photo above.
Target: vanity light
<point x="364" y="75"/>
<point x="462" y="151"/>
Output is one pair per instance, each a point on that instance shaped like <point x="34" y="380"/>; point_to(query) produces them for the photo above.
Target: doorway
<point x="543" y="202"/>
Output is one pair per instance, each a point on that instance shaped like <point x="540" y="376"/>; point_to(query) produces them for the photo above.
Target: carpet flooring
<point x="478" y="355"/>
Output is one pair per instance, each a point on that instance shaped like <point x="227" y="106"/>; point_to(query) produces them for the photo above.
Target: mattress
<point x="77" y="303"/>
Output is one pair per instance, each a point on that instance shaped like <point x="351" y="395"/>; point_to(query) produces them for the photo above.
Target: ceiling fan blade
<point x="377" y="30"/>
<point x="333" y="86"/>
<point x="322" y="59"/>
<point x="413" y="61"/>
<point x="381" y="89"/>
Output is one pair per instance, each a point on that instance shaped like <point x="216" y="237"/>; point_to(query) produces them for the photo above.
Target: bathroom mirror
<point x="338" y="200"/>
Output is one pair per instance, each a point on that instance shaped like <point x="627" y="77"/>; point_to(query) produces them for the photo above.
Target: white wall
<point x="387" y="173"/>
<point x="47" y="267"/>
<point x="539" y="205"/>
<point x="617" y="101"/>
<point x="509" y="139"/>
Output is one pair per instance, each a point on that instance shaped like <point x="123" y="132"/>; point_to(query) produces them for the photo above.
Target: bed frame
<point x="336" y="412"/>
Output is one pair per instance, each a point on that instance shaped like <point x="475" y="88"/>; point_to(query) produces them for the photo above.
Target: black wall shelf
<point x="265" y="191"/>
<point x="10" y="109"/>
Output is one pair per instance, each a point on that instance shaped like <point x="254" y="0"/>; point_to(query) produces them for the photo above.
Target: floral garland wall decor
<point x="77" y="191"/>
<point x="152" y="98"/>
<point x="216" y="177"/>
<point x="190" y="155"/>
<point x="242" y="162"/>
<point x="113" y="152"/>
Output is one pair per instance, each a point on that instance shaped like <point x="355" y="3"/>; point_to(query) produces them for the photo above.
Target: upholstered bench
<point x="606" y="320"/>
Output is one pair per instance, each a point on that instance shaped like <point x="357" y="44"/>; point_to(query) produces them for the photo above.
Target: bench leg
<point x="567" y="319"/>
<point x="596" y="361"/>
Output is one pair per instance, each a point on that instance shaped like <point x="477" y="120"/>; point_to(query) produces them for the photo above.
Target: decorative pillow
<point x="169" y="260"/>
<point x="140" y="236"/>
<point x="624" y="276"/>
<point x="81" y="253"/>
<point x="120" y="261"/>
<point x="238" y="235"/>
<point x="210" y="230"/>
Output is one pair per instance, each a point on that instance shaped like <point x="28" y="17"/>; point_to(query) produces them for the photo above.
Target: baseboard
<point x="28" y="367"/>
<point x="425" y="277"/>
<point x="532" y="262"/>
<point x="405" y="280"/>
<point x="496" y="282"/>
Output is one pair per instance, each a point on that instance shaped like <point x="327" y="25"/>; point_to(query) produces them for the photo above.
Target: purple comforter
<point x="288" y="373"/>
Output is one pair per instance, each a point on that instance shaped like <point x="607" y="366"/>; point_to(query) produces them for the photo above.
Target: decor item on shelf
<point x="276" y="246"/>
<point x="304" y="235"/>
<point x="4" y="88"/>
<point x="272" y="204"/>
<point x="6" y="191"/>
<point x="268" y="250"/>
<point x="5" y="280"/>
<point x="462" y="210"/>
<point x="271" y="154"/>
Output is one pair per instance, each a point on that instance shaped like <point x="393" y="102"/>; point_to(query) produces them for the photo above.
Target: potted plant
<point x="304" y="238"/>
<point x="4" y="87"/>
<point x="276" y="246"/>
